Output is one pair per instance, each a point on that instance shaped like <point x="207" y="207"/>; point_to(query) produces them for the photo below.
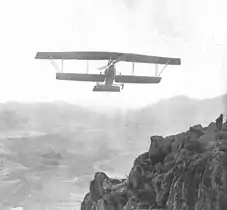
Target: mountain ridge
<point x="182" y="171"/>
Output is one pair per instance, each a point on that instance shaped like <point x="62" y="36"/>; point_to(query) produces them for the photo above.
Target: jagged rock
<point x="115" y="200"/>
<point x="219" y="122"/>
<point x="187" y="171"/>
<point x="212" y="128"/>
<point x="159" y="148"/>
<point x="197" y="129"/>
<point x="224" y="126"/>
<point x="208" y="141"/>
<point x="100" y="185"/>
<point x="87" y="202"/>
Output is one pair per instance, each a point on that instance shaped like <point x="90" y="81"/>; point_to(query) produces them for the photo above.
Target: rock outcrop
<point x="187" y="171"/>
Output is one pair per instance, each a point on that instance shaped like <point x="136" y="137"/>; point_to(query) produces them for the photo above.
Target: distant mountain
<point x="114" y="126"/>
<point x="52" y="117"/>
<point x="178" y="113"/>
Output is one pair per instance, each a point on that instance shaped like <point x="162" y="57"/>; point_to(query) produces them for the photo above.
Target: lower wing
<point x="136" y="79"/>
<point x="81" y="77"/>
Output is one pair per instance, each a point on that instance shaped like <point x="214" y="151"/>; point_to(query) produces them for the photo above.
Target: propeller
<point x="107" y="66"/>
<point x="103" y="68"/>
<point x="110" y="64"/>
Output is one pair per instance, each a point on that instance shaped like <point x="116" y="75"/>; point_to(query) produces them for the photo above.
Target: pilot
<point x="109" y="62"/>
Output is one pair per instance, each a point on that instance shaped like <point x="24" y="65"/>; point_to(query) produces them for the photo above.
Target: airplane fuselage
<point x="110" y="75"/>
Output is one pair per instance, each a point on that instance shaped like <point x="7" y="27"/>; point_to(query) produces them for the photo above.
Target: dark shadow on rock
<point x="187" y="171"/>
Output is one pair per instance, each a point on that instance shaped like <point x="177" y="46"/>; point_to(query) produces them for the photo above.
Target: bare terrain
<point x="49" y="152"/>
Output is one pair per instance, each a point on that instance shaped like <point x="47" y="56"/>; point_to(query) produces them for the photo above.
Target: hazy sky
<point x="192" y="30"/>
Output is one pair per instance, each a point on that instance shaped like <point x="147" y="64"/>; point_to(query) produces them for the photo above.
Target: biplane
<point x="108" y="80"/>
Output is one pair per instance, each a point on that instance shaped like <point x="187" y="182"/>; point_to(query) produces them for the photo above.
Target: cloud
<point x="158" y="26"/>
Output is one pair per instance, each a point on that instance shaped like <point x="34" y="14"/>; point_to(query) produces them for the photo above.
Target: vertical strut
<point x="87" y="66"/>
<point x="133" y="67"/>
<point x="156" y="70"/>
<point x="62" y="66"/>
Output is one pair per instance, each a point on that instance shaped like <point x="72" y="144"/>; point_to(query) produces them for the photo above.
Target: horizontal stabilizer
<point x="104" y="88"/>
<point x="81" y="77"/>
<point x="136" y="79"/>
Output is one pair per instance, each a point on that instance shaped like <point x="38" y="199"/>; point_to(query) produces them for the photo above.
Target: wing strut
<point x="158" y="74"/>
<point x="59" y="70"/>
<point x="133" y="67"/>
<point x="163" y="68"/>
<point x="62" y="66"/>
<point x="156" y="70"/>
<point x="87" y="66"/>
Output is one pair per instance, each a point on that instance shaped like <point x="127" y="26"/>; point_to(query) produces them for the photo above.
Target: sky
<point x="191" y="30"/>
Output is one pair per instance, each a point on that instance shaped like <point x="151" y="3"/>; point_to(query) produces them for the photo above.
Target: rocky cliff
<point x="187" y="171"/>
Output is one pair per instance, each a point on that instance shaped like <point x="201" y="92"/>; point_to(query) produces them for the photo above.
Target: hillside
<point x="183" y="171"/>
<point x="42" y="144"/>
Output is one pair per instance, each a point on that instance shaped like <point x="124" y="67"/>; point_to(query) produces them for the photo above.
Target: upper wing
<point x="95" y="55"/>
<point x="81" y="77"/>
